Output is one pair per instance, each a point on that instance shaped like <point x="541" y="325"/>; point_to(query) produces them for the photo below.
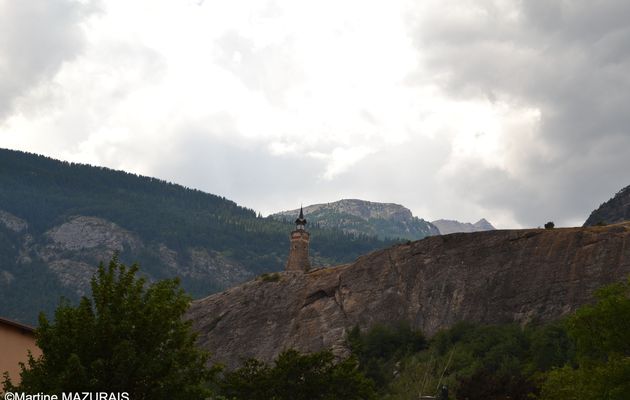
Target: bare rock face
<point x="488" y="277"/>
<point x="89" y="232"/>
<point x="73" y="274"/>
<point x="76" y="246"/>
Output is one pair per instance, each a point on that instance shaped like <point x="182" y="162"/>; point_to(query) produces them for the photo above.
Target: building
<point x="16" y="340"/>
<point x="298" y="251"/>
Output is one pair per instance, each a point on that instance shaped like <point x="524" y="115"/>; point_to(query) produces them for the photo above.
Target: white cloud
<point x="458" y="109"/>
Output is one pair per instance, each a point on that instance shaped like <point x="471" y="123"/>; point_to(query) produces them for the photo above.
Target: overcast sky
<point x="516" y="111"/>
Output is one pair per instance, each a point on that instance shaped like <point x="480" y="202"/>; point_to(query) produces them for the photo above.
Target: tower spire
<point x="298" y="252"/>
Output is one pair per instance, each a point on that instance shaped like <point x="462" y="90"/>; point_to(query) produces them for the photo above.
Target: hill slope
<point x="58" y="220"/>
<point x="384" y="220"/>
<point x="614" y="210"/>
<point x="488" y="277"/>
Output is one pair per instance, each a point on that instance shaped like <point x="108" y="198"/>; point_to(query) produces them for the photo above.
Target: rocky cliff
<point x="447" y="226"/>
<point x="384" y="220"/>
<point x="489" y="277"/>
<point x="614" y="210"/>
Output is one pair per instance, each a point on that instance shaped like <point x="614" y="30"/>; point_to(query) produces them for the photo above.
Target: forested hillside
<point x="59" y="219"/>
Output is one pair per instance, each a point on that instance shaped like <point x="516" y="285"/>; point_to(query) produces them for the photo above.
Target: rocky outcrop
<point x="614" y="210"/>
<point x="82" y="232"/>
<point x="447" y="226"/>
<point x="12" y="222"/>
<point x="500" y="276"/>
<point x="384" y="220"/>
<point x="75" y="248"/>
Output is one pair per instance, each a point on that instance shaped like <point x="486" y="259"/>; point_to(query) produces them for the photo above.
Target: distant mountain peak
<point x="483" y="225"/>
<point x="384" y="220"/>
<point x="447" y="226"/>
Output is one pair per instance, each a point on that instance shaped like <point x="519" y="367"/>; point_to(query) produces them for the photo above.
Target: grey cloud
<point x="207" y="157"/>
<point x="570" y="60"/>
<point x="37" y="37"/>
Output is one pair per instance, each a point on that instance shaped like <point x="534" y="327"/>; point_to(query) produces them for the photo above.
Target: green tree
<point x="296" y="376"/>
<point x="602" y="337"/>
<point x="381" y="348"/>
<point x="128" y="337"/>
<point x="482" y="362"/>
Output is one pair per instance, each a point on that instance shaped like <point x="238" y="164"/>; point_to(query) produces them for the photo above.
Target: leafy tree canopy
<point x="128" y="337"/>
<point x="381" y="348"/>
<point x="296" y="376"/>
<point x="473" y="361"/>
<point x="602" y="336"/>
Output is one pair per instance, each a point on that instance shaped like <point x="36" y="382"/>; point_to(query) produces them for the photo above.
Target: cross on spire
<point x="300" y="221"/>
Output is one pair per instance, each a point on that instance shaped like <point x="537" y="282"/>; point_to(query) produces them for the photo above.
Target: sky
<point x="513" y="111"/>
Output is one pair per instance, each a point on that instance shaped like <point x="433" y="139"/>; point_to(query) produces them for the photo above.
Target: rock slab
<point x="499" y="276"/>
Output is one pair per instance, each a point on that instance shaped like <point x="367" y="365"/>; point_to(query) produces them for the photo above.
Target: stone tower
<point x="298" y="252"/>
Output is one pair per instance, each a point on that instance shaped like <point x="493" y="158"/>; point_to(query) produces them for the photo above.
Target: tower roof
<point x="300" y="220"/>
